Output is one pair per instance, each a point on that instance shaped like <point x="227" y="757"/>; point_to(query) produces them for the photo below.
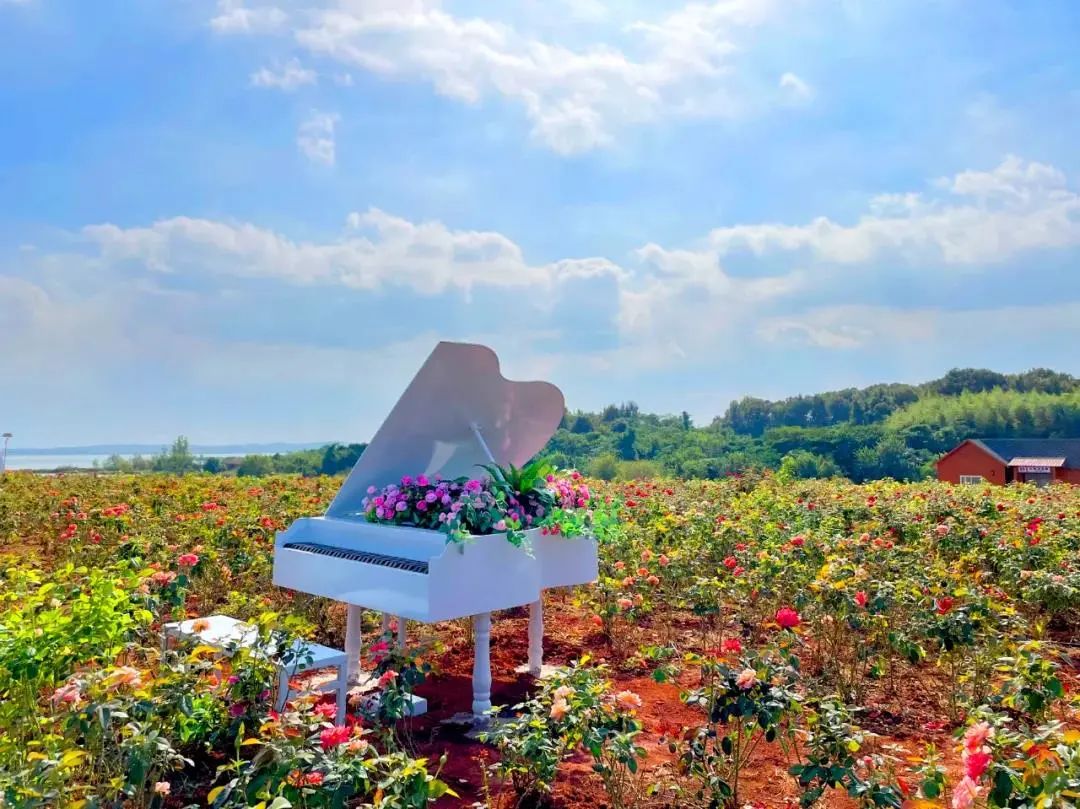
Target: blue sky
<point x="247" y="220"/>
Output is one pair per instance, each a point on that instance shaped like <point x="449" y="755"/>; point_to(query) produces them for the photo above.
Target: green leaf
<point x="1002" y="788"/>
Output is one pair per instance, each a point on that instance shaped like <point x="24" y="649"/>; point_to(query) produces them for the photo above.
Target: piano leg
<point x="400" y="632"/>
<point x="536" y="636"/>
<point x="353" y="642"/>
<point x="481" y="676"/>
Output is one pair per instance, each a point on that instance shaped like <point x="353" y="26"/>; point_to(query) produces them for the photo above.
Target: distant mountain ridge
<point x="150" y="449"/>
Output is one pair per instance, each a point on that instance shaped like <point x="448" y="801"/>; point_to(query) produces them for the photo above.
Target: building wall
<point x="1068" y="475"/>
<point x="969" y="459"/>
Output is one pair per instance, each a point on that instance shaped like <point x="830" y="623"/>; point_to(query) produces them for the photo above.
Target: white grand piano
<point x="458" y="412"/>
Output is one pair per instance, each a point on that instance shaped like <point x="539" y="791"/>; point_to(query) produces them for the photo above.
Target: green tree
<point x="801" y="464"/>
<point x="177" y="460"/>
<point x="889" y="458"/>
<point x="581" y="425"/>
<point x="604" y="467"/>
<point x="255" y="466"/>
<point x="340" y="458"/>
<point x="968" y="380"/>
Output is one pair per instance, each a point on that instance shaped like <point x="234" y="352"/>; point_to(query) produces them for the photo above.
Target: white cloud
<point x="1014" y="181"/>
<point x="289" y="77"/>
<point x="986" y="217"/>
<point x="377" y="251"/>
<point x="684" y="65"/>
<point x="59" y="329"/>
<point x="796" y="87"/>
<point x="671" y="301"/>
<point x="859" y="326"/>
<point x="316" y="138"/>
<point x="848" y="327"/>
<point x="685" y="300"/>
<point x="233" y="17"/>
<point x="668" y="303"/>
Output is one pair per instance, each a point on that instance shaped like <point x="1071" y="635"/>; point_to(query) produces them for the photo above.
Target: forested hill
<point x="876" y="403"/>
<point x="888" y="430"/>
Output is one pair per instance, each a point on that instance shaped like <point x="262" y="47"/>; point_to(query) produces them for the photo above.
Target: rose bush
<point x="947" y="605"/>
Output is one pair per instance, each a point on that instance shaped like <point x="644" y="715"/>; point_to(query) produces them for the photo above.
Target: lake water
<point x="16" y="461"/>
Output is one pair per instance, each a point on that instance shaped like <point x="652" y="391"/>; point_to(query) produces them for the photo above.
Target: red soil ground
<point x="900" y="720"/>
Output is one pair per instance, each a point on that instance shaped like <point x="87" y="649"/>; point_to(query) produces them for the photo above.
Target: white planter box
<point x="566" y="561"/>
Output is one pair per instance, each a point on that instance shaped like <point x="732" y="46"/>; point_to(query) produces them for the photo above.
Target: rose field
<point x="754" y="641"/>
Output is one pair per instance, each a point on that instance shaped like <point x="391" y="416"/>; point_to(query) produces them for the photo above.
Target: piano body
<point x="458" y="412"/>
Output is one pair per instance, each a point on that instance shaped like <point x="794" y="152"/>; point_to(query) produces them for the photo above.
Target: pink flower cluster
<point x="425" y="503"/>
<point x="472" y="506"/>
<point x="570" y="492"/>
<point x="976" y="757"/>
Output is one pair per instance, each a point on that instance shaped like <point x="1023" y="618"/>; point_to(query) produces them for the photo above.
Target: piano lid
<point x="458" y="411"/>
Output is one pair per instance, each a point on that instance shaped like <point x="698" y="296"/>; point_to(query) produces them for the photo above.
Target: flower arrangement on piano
<point x="509" y="500"/>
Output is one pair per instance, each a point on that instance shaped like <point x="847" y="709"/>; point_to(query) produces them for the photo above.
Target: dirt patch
<point x="765" y="783"/>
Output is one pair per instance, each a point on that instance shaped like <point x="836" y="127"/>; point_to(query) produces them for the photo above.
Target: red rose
<point x="788" y="618"/>
<point x="332" y="737"/>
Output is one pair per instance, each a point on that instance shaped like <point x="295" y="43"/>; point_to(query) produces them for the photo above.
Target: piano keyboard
<point x="395" y="562"/>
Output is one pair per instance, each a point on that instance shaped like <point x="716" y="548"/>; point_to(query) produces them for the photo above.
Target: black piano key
<point x="396" y="562"/>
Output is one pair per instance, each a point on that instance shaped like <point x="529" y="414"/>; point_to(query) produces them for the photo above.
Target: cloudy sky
<point x="247" y="220"/>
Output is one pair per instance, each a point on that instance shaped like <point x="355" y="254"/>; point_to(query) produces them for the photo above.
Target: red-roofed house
<point x="1012" y="460"/>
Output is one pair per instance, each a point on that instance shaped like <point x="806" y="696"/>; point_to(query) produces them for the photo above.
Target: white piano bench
<point x="370" y="699"/>
<point x="221" y="631"/>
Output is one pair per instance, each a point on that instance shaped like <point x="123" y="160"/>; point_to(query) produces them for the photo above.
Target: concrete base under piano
<point x="546" y="671"/>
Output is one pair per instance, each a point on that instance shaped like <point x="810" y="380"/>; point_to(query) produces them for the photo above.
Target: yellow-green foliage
<point x="861" y="586"/>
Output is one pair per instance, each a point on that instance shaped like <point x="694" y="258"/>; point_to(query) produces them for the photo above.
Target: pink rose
<point x="388" y="677"/>
<point x="976" y="736"/>
<point x="975" y="763"/>
<point x="747" y="679"/>
<point x="965" y="794"/>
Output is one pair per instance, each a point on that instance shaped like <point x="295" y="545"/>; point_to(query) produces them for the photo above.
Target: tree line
<point x="887" y="430"/>
<point x="876" y="403"/>
<point x="178" y="459"/>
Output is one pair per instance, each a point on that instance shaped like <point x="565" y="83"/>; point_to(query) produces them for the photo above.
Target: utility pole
<point x="3" y="452"/>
